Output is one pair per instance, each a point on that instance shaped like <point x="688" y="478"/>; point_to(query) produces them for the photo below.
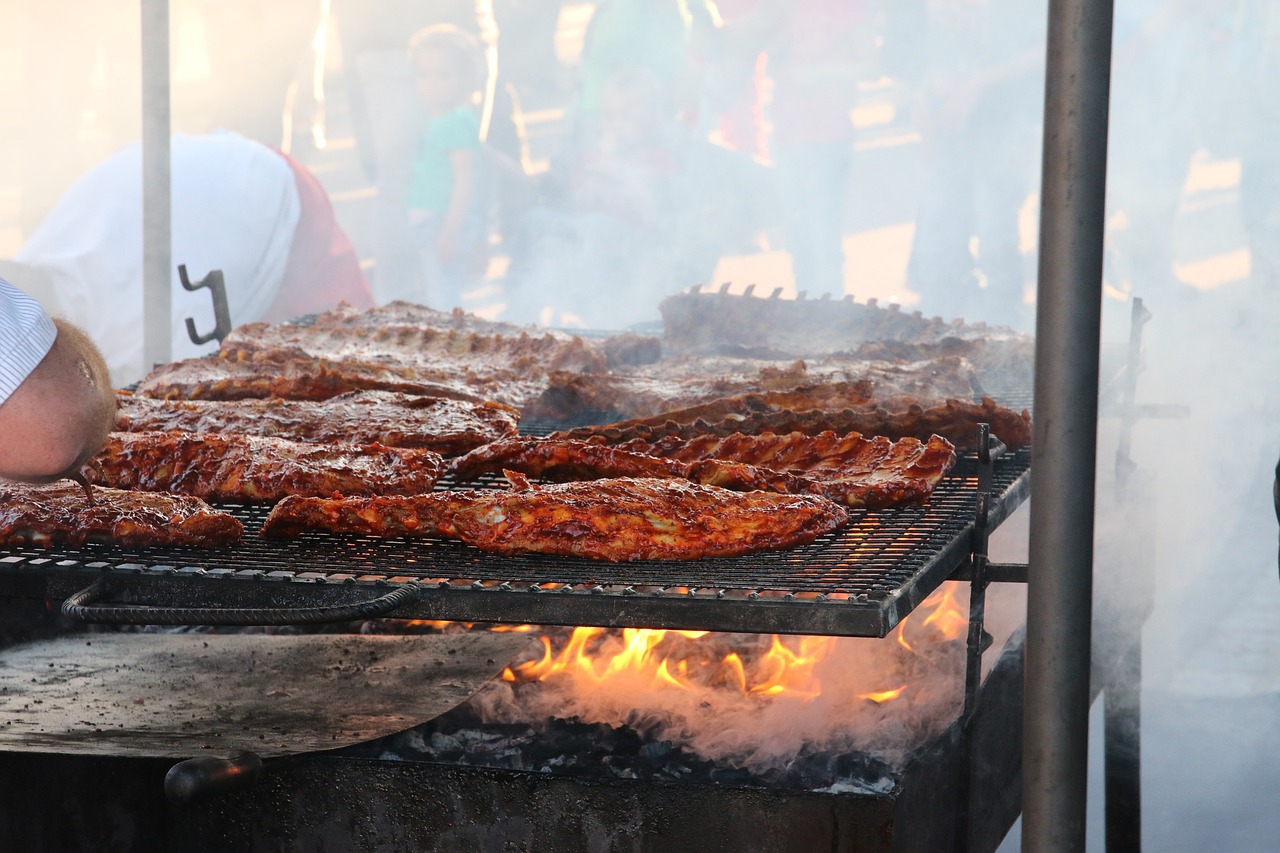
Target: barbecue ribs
<point x="449" y="427"/>
<point x="247" y="468"/>
<point x="617" y="520"/>
<point x="716" y="386"/>
<point x="246" y="372"/>
<point x="59" y="514"/>
<point x="954" y="420"/>
<point x="851" y="469"/>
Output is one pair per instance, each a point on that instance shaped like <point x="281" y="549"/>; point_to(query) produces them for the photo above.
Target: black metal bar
<point x="83" y="607"/>
<point x="1064" y="443"/>
<point x="978" y="639"/>
<point x="996" y="572"/>
<point x="1122" y="712"/>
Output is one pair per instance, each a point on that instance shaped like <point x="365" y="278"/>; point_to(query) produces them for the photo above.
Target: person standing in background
<point x="238" y="206"/>
<point x="445" y="198"/>
<point x="1255" y="29"/>
<point x="387" y="114"/>
<point x="817" y="52"/>
<point x="627" y="34"/>
<point x="978" y="105"/>
<point x="1157" y="83"/>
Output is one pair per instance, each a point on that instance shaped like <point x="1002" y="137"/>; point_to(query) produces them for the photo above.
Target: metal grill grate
<point x="859" y="581"/>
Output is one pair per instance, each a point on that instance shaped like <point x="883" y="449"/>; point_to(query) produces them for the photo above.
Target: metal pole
<point x="157" y="237"/>
<point x="1064" y="449"/>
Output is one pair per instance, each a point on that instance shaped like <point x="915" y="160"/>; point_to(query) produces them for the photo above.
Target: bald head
<point x="60" y="415"/>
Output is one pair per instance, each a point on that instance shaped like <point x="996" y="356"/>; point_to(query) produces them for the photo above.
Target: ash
<point x="571" y="747"/>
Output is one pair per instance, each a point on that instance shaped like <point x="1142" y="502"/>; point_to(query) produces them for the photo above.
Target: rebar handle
<point x="79" y="607"/>
<point x="221" y="313"/>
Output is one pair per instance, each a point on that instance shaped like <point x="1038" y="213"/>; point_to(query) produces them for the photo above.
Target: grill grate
<point x="858" y="581"/>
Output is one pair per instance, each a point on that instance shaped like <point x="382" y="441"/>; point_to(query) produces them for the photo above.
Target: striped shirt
<point x="26" y="334"/>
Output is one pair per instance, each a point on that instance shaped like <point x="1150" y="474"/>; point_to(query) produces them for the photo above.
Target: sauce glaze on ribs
<point x="426" y="346"/>
<point x="955" y="420"/>
<point x="248" y="468"/>
<point x="449" y="427"/>
<point x="618" y="520"/>
<point x="716" y="386"/>
<point x="851" y="469"/>
<point x="246" y="372"/>
<point x="59" y="514"/>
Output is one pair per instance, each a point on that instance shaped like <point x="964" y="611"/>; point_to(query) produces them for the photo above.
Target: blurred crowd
<point x="690" y="130"/>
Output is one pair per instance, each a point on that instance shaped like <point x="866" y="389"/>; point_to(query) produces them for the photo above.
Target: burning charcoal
<point x="444" y="744"/>
<point x="731" y="776"/>
<point x="655" y="751"/>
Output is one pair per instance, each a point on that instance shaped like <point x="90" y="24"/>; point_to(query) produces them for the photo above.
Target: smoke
<point x="842" y="705"/>
<point x="1179" y="226"/>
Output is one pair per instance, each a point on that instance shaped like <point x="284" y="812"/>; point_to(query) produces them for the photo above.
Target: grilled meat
<point x="954" y="420"/>
<point x="561" y="460"/>
<point x="717" y="321"/>
<point x="449" y="427"/>
<point x="714" y="387"/>
<point x="248" y="372"/>
<point x="850" y="469"/>
<point x="401" y="313"/>
<point x="615" y="519"/>
<point x="412" y="343"/>
<point x="59" y="514"/>
<point x="247" y="468"/>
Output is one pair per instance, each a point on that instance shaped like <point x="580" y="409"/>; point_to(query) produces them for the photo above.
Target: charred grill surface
<point x="448" y="427"/>
<point x="60" y="514"/>
<point x="230" y="467"/>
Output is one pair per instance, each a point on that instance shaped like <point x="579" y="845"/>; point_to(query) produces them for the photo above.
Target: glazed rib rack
<point x="858" y="581"/>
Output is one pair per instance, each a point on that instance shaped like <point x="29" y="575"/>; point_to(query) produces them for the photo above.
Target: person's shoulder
<point x="458" y="128"/>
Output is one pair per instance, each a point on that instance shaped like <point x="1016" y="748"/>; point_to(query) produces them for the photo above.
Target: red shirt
<point x="322" y="270"/>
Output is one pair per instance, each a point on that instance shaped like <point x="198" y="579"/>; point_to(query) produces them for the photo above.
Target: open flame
<point x="755" y="701"/>
<point x="696" y="660"/>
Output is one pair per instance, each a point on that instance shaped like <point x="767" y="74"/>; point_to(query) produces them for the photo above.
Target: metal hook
<point x="222" y="315"/>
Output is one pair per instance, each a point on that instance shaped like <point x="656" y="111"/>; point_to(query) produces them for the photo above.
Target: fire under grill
<point x="348" y="800"/>
<point x="858" y="581"/>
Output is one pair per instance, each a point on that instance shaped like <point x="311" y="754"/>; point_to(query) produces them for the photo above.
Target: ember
<point x="753" y="709"/>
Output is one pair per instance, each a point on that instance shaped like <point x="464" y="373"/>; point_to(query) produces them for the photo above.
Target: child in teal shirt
<point x="444" y="194"/>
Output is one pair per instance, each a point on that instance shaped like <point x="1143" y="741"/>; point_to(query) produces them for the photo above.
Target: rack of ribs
<point x="617" y="520"/>
<point x="61" y="514"/>
<point x="851" y="469"/>
<point x="256" y="469"/>
<point x="449" y="427"/>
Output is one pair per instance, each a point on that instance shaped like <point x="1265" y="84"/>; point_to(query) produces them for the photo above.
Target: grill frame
<point x="895" y="558"/>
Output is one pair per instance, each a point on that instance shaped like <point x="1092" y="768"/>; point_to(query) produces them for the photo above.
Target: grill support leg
<point x="1121" y="714"/>
<point x="978" y="638"/>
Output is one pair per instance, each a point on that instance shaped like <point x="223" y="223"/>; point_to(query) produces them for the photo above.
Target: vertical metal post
<point x="1064" y="448"/>
<point x="157" y="237"/>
